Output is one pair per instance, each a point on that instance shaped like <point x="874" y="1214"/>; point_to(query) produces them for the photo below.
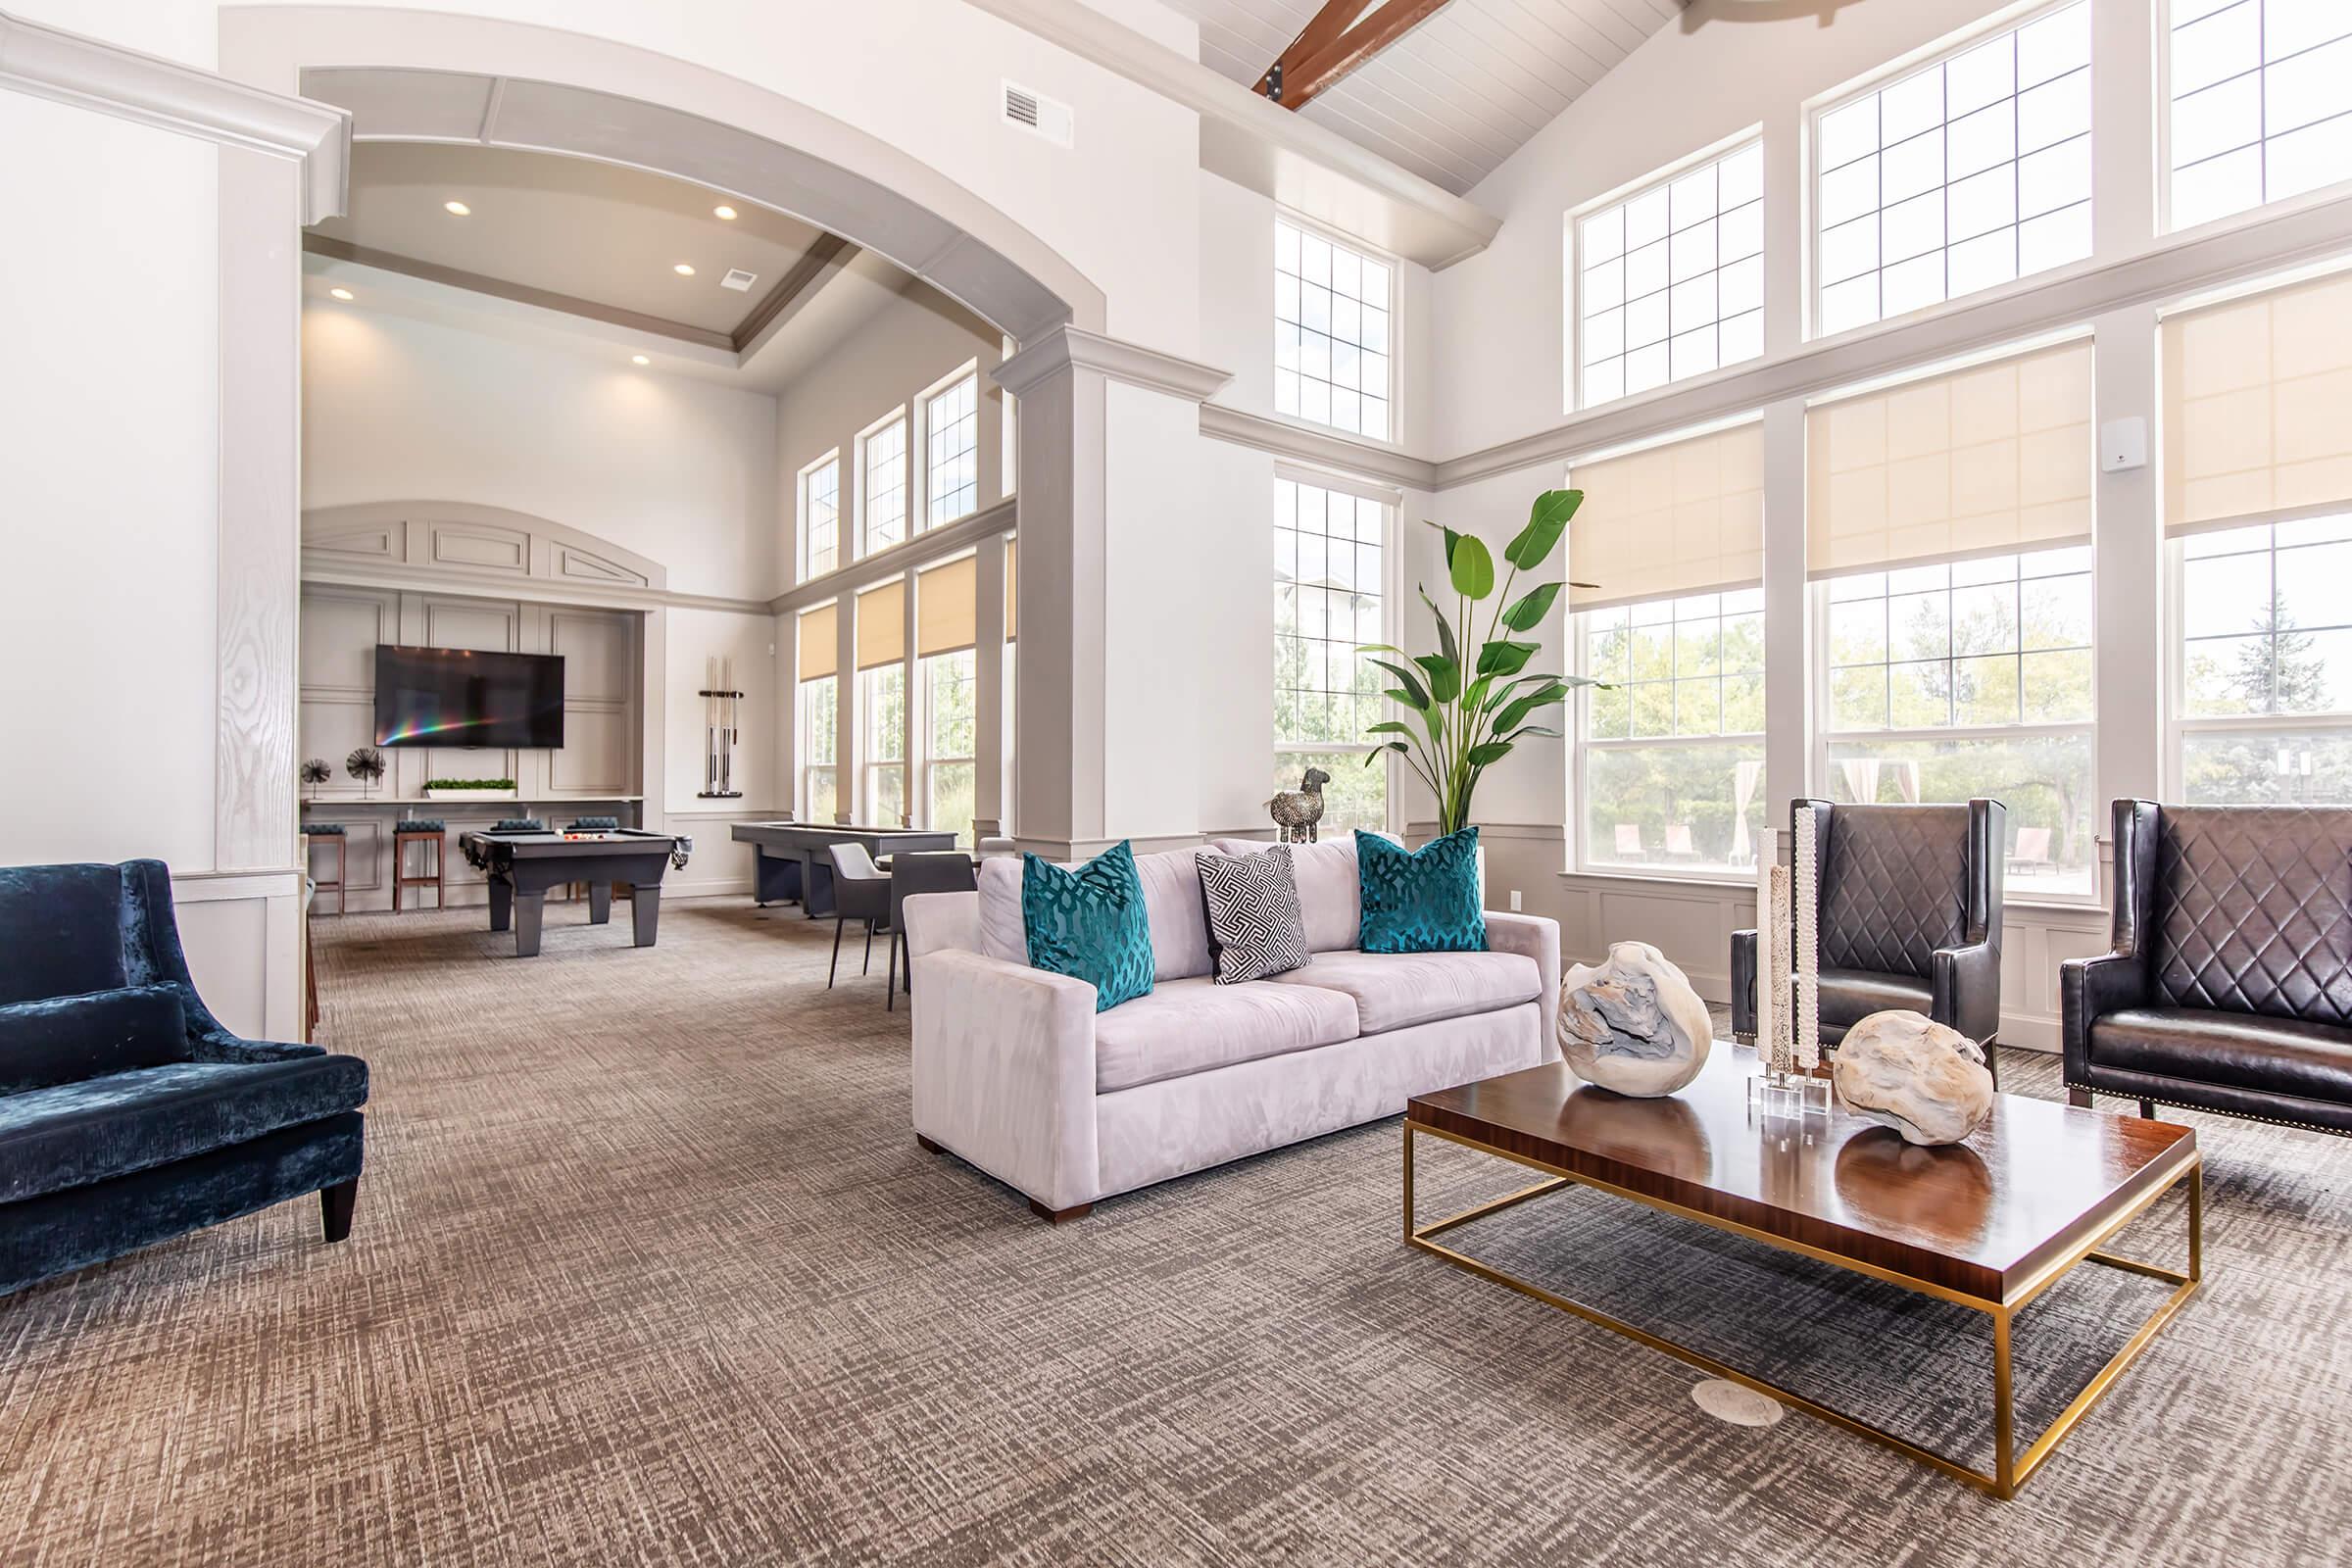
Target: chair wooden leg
<point x="2080" y="1099"/>
<point x="836" y="965"/>
<point x="2147" y="1110"/>
<point x="335" y="1205"/>
<point x="1059" y="1216"/>
<point x="927" y="1145"/>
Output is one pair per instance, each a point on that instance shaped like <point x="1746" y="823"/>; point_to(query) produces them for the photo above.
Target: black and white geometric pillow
<point x="1253" y="914"/>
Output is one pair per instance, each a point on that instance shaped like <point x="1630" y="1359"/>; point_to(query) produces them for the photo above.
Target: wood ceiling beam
<point x="1327" y="48"/>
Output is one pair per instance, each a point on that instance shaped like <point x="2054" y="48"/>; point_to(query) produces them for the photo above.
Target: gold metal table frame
<point x="2011" y="1469"/>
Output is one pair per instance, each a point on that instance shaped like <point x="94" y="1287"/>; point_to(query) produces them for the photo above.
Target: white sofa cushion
<point x="1330" y="889"/>
<point x="1172" y="906"/>
<point x="1397" y="990"/>
<point x="1191" y="1024"/>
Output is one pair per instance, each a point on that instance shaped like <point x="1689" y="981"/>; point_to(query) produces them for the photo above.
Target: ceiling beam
<point x="817" y="267"/>
<point x="1327" y="48"/>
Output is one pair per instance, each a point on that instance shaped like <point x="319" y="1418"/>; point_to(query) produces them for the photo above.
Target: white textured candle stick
<point x="1805" y="891"/>
<point x="1775" y="1058"/>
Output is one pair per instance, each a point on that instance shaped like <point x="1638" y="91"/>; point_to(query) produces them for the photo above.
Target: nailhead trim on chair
<point x="2209" y="1110"/>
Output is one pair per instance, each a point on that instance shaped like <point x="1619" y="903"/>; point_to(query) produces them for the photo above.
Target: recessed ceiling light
<point x="684" y="269"/>
<point x="727" y="213"/>
<point x="639" y="358"/>
<point x="340" y="293"/>
<point x="457" y="209"/>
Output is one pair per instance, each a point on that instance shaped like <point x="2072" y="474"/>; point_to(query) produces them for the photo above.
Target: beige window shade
<point x="1687" y="517"/>
<point x="946" y="607"/>
<point x="1011" y="599"/>
<point x="2256" y="400"/>
<point x="882" y="625"/>
<point x="820" y="643"/>
<point x="1992" y="459"/>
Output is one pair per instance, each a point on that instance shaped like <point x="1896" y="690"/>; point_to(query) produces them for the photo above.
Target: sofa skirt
<point x="1178" y="1125"/>
<point x="58" y="1232"/>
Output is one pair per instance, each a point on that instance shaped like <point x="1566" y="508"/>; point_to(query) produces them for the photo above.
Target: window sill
<point x="1714" y="882"/>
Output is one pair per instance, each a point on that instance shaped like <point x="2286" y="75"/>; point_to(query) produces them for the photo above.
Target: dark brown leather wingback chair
<point x="1910" y="918"/>
<point x="2230" y="986"/>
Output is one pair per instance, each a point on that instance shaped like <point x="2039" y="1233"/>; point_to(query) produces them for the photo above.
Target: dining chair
<point x="861" y="891"/>
<point x="926" y="871"/>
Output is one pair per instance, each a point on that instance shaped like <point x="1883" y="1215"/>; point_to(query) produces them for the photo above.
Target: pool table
<point x="522" y="866"/>
<point x="793" y="860"/>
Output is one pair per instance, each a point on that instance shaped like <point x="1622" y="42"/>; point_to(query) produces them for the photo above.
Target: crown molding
<point x="70" y="69"/>
<point x="1317" y="449"/>
<point x="474" y="583"/>
<point x="2167" y="270"/>
<point x="1264" y="147"/>
<point x="1070" y="347"/>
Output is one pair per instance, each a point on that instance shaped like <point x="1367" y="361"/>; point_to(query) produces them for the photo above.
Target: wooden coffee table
<point x="1990" y="1224"/>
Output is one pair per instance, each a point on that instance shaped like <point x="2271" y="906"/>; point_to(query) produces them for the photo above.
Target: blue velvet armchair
<point x="127" y="1114"/>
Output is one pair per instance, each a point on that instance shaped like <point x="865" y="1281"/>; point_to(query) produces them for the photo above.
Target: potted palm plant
<point x="1471" y="709"/>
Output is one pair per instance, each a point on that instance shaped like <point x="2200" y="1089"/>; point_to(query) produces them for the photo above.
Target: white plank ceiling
<point x="1459" y="94"/>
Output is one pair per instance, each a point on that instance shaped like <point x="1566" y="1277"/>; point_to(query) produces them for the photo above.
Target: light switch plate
<point x="2122" y="445"/>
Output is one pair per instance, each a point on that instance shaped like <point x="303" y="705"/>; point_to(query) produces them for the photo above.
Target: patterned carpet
<point x="649" y="1269"/>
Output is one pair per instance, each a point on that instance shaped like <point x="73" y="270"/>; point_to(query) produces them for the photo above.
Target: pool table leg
<point x="502" y="903"/>
<point x="600" y="902"/>
<point x="645" y="911"/>
<point x="528" y="907"/>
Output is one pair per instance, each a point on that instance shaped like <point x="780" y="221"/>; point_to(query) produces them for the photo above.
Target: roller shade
<point x="820" y="643"/>
<point x="882" y="625"/>
<point x="1989" y="460"/>
<point x="2255" y="398"/>
<point x="946" y="607"/>
<point x="1011" y="599"/>
<point x="1685" y="517"/>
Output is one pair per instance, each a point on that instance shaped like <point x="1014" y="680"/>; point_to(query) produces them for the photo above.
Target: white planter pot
<point x="470" y="794"/>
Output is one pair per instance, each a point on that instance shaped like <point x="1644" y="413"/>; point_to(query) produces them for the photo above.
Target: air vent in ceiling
<point x="1038" y="115"/>
<point x="739" y="280"/>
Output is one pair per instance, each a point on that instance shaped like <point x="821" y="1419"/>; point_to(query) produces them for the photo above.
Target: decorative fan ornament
<point x="315" y="771"/>
<point x="364" y="764"/>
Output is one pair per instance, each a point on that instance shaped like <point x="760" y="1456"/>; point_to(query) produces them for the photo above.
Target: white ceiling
<point x="567" y="229"/>
<point x="1455" y="97"/>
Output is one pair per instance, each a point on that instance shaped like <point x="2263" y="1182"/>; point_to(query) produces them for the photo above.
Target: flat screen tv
<point x="457" y="697"/>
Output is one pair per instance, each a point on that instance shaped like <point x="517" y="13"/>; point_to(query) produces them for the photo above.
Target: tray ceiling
<point x="1459" y="94"/>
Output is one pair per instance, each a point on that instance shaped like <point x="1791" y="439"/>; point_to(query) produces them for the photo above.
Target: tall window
<point x="1328" y="602"/>
<point x="2264" y="703"/>
<point x="882" y="720"/>
<point x="2262" y="103"/>
<point x="951" y="743"/>
<point x="818" y="709"/>
<point x="882" y="500"/>
<point x="1672" y="757"/>
<point x="1670" y="281"/>
<point x="1961" y="176"/>
<point x="951" y="426"/>
<point x="1331" y="333"/>
<point x="1971" y="678"/>
<point x="820" y="516"/>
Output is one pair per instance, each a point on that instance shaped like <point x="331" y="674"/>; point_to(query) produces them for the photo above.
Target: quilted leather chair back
<point x="1894" y="886"/>
<point x="2251" y="911"/>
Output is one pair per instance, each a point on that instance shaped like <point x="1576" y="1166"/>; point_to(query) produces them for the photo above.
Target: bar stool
<point x="518" y="824"/>
<point x="334" y="833"/>
<point x="429" y="834"/>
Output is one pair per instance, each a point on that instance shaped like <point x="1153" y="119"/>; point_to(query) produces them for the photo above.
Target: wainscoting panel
<point x="599" y="743"/>
<point x="340" y="631"/>
<point x="480" y="545"/>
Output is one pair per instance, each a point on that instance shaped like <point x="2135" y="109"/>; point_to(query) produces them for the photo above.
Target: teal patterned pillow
<point x="1089" y="923"/>
<point x="1420" y="901"/>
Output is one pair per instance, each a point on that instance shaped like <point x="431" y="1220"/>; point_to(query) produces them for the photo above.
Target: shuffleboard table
<point x="522" y="866"/>
<point x="793" y="859"/>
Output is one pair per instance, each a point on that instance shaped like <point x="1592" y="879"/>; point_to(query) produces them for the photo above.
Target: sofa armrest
<point x="936" y="921"/>
<point x="2088" y="989"/>
<point x="1744" y="983"/>
<point x="1964" y="989"/>
<point x="1004" y="1071"/>
<point x="1533" y="936"/>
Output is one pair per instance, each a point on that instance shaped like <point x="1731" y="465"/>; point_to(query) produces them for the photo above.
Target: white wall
<point x="677" y="470"/>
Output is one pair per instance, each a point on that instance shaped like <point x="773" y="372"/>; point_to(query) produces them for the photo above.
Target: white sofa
<point x="1015" y="1072"/>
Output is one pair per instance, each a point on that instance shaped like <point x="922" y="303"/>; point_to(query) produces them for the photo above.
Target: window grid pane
<point x="2261" y="109"/>
<point x="1333" y="333"/>
<point x="1328" y="602"/>
<point x="818" y="718"/>
<point x="1970" y="173"/>
<point x="820" y="514"/>
<point x="953" y="420"/>
<point x="1984" y="646"/>
<point x="885" y="452"/>
<point x="1671" y="279"/>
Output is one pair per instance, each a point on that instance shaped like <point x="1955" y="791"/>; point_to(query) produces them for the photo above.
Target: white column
<point x="1787" y="616"/>
<point x="848" y="769"/>
<point x="911" y="711"/>
<point x="2128" y="561"/>
<point x="990" y="782"/>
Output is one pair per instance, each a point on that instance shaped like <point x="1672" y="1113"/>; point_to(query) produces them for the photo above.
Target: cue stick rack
<point x="721" y="732"/>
